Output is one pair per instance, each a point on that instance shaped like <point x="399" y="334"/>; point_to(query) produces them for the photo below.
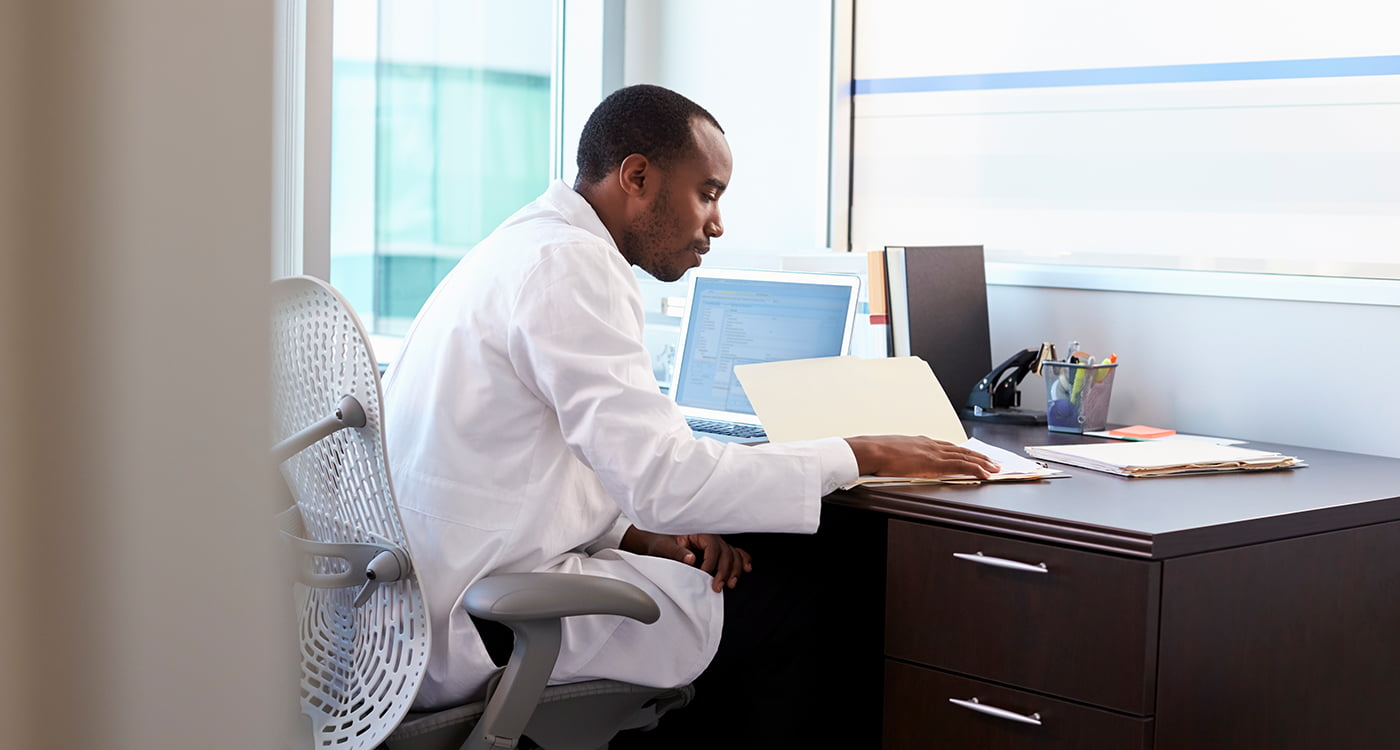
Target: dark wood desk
<point x="1253" y="610"/>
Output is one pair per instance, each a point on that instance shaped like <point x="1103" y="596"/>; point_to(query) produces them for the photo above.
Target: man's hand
<point x="913" y="456"/>
<point x="709" y="551"/>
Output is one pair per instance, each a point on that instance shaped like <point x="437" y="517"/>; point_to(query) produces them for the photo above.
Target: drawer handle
<point x="1001" y="562"/>
<point x="1000" y="713"/>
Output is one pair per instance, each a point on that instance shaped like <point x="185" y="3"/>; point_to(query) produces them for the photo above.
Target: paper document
<point x="808" y="399"/>
<point x="1013" y="467"/>
<point x="1156" y="458"/>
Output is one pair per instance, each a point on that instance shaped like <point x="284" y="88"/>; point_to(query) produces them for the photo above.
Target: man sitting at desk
<point x="526" y="431"/>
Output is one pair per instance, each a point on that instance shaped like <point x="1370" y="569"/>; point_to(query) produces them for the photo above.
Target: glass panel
<point x="440" y="130"/>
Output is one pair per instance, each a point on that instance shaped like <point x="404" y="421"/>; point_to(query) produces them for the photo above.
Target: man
<point x="526" y="431"/>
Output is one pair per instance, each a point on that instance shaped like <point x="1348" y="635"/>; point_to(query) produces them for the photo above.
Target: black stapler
<point x="996" y="397"/>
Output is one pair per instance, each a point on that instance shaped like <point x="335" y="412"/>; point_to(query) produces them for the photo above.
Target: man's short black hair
<point x="643" y="119"/>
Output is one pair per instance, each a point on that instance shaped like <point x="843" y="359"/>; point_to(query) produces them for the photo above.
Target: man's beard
<point x="642" y="241"/>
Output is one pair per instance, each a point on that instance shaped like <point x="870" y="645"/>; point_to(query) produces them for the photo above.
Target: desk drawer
<point x="1083" y="627"/>
<point x="920" y="714"/>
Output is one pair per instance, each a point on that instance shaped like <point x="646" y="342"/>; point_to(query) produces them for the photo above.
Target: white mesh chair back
<point x="361" y="665"/>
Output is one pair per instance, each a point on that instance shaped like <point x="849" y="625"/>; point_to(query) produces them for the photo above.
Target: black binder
<point x="944" y="315"/>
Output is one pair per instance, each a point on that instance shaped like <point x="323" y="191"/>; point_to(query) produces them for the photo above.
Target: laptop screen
<point x="739" y="317"/>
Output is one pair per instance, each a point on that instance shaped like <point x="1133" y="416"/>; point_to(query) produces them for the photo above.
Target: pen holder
<point x="1076" y="396"/>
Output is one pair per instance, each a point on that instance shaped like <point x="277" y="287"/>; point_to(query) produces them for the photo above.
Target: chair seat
<point x="575" y="716"/>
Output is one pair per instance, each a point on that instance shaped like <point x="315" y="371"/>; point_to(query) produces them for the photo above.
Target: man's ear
<point x="634" y="176"/>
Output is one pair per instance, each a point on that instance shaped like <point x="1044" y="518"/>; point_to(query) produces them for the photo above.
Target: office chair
<point x="361" y="613"/>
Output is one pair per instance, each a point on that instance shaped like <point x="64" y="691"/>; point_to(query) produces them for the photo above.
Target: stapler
<point x="996" y="397"/>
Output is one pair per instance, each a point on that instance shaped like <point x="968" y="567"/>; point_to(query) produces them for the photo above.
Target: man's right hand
<point x="915" y="456"/>
<point x="715" y="555"/>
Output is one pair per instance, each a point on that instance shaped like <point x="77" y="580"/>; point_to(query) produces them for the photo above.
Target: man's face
<point x="675" y="227"/>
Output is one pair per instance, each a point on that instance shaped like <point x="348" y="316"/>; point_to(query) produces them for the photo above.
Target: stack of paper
<point x="807" y="399"/>
<point x="1162" y="458"/>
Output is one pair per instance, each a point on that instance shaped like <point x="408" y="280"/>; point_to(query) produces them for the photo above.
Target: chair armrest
<point x="514" y="597"/>
<point x="533" y="605"/>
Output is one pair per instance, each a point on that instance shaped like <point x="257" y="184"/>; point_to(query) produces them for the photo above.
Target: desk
<point x="1199" y="612"/>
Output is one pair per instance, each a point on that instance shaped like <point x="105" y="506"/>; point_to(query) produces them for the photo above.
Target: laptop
<point x="737" y="317"/>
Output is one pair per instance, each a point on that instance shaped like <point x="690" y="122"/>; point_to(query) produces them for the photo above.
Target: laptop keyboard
<point x="732" y="429"/>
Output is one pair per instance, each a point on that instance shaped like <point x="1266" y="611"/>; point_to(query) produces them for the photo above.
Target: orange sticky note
<point x="1141" y="432"/>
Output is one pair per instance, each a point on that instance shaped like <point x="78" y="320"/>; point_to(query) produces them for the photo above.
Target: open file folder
<point x="1156" y="458"/>
<point x="807" y="399"/>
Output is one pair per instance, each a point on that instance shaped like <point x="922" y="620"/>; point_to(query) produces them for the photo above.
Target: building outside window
<point x="440" y="129"/>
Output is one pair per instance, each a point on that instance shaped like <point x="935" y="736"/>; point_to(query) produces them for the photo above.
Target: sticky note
<point x="1141" y="432"/>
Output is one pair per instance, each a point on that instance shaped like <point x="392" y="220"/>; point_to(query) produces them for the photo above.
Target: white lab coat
<point x="525" y="432"/>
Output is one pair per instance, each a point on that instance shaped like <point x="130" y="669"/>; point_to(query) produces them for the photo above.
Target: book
<point x="1162" y="458"/>
<point x="898" y="299"/>
<point x="875" y="284"/>
<point x="878" y="331"/>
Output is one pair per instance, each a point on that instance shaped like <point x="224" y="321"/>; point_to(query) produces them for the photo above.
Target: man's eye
<point x="709" y="197"/>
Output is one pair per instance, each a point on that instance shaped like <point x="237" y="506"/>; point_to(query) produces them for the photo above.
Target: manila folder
<point x="807" y="399"/>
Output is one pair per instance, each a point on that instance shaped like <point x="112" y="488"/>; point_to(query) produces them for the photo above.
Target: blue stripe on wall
<point x="1332" y="67"/>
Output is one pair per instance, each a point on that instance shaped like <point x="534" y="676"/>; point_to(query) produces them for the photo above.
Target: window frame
<point x="588" y="53"/>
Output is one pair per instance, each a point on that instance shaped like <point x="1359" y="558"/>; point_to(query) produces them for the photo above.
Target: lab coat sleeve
<point x="612" y="539"/>
<point x="576" y="340"/>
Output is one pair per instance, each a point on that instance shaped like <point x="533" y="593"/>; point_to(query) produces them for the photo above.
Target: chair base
<point x="576" y="716"/>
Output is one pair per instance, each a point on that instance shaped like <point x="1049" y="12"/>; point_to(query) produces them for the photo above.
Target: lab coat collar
<point x="576" y="210"/>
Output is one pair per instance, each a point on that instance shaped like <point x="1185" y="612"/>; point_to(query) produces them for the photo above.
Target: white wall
<point x="1304" y="373"/>
<point x="143" y="608"/>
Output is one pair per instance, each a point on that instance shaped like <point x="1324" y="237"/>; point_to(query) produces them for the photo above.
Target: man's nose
<point x="714" y="228"/>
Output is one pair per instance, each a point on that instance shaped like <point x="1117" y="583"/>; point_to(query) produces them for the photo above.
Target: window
<point x="1204" y="139"/>
<point x="441" y="127"/>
